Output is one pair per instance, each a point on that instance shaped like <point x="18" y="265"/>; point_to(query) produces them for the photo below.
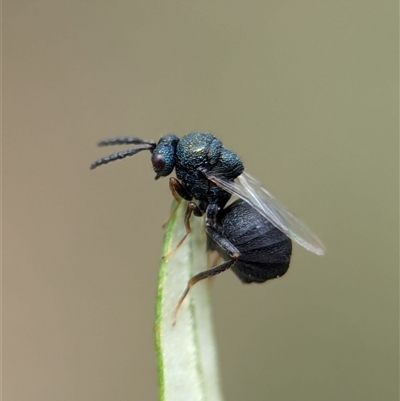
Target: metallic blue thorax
<point x="196" y="150"/>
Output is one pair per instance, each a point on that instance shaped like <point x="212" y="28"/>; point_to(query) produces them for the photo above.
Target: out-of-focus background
<point x="305" y="92"/>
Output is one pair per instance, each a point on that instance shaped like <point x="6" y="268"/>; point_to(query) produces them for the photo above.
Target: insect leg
<point x="231" y="250"/>
<point x="191" y="208"/>
<point x="201" y="276"/>
<point x="178" y="192"/>
<point x="223" y="242"/>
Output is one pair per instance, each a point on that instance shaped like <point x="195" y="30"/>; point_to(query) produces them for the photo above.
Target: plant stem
<point x="186" y="351"/>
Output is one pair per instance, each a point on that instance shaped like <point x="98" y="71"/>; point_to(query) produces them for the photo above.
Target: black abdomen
<point x="265" y="251"/>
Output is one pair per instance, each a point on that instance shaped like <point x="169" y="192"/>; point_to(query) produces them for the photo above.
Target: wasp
<point x="253" y="235"/>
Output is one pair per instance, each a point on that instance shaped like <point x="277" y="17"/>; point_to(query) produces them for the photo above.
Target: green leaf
<point x="186" y="351"/>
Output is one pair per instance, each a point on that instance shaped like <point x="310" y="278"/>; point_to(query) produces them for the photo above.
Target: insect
<point x="253" y="234"/>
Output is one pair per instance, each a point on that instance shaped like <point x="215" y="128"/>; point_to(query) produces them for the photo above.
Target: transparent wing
<point x="249" y="189"/>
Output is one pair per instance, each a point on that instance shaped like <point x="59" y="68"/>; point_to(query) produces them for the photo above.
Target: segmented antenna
<point x="126" y="140"/>
<point x="121" y="155"/>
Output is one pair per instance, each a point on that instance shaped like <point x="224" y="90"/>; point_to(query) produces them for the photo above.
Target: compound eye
<point x="158" y="162"/>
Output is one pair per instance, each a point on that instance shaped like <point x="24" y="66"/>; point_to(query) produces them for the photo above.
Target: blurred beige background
<point x="304" y="91"/>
